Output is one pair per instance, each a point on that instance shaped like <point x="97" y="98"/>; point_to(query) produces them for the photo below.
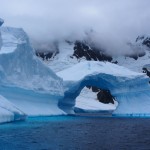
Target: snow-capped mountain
<point x="69" y="53"/>
<point x="143" y="40"/>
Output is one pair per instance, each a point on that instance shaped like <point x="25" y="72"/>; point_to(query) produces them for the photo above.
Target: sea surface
<point x="76" y="133"/>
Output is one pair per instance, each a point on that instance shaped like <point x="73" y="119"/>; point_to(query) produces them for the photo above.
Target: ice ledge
<point x="9" y="112"/>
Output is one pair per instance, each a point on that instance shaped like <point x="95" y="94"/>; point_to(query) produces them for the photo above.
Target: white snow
<point x="9" y="112"/>
<point x="80" y="70"/>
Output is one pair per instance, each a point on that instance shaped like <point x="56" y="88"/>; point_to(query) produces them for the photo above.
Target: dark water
<point x="76" y="133"/>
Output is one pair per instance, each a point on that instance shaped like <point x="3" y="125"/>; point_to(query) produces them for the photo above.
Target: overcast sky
<point x="115" y="22"/>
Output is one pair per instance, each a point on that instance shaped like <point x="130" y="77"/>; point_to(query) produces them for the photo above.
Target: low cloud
<point x="115" y="22"/>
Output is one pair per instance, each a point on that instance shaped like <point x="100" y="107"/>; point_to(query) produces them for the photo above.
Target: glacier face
<point x="122" y="83"/>
<point x="33" y="103"/>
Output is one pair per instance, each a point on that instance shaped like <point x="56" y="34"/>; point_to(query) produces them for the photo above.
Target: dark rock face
<point x="46" y="55"/>
<point x="115" y="62"/>
<point x="95" y="89"/>
<point x="145" y="70"/>
<point x="1" y="21"/>
<point x="140" y="38"/>
<point x="104" y="96"/>
<point x="82" y="49"/>
<point x="147" y="42"/>
<point x="48" y="52"/>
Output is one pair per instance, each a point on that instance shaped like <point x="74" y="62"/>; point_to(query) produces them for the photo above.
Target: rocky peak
<point x="1" y="21"/>
<point x="144" y="40"/>
<point x="103" y="96"/>
<point x="83" y="49"/>
<point x="146" y="69"/>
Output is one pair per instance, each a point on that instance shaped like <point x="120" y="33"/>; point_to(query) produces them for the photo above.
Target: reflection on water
<point x="75" y="132"/>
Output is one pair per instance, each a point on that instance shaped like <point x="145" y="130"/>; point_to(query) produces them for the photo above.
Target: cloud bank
<point x="115" y="22"/>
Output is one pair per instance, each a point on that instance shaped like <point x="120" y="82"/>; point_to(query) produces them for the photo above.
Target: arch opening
<point x="95" y="100"/>
<point x="104" y="82"/>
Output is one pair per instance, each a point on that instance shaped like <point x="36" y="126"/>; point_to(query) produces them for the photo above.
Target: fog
<point x="114" y="22"/>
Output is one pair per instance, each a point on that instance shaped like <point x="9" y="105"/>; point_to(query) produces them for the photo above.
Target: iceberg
<point x="20" y="67"/>
<point x="131" y="89"/>
<point x="24" y="79"/>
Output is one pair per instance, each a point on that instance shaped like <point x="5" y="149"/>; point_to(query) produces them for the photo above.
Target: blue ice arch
<point x="132" y="90"/>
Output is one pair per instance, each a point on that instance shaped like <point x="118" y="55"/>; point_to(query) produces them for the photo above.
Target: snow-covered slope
<point x="80" y="70"/>
<point x="141" y="46"/>
<point x="124" y="84"/>
<point x="64" y="58"/>
<point x="131" y="63"/>
<point x="9" y="112"/>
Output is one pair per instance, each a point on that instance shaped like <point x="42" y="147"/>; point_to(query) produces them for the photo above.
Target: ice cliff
<point x="20" y="67"/>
